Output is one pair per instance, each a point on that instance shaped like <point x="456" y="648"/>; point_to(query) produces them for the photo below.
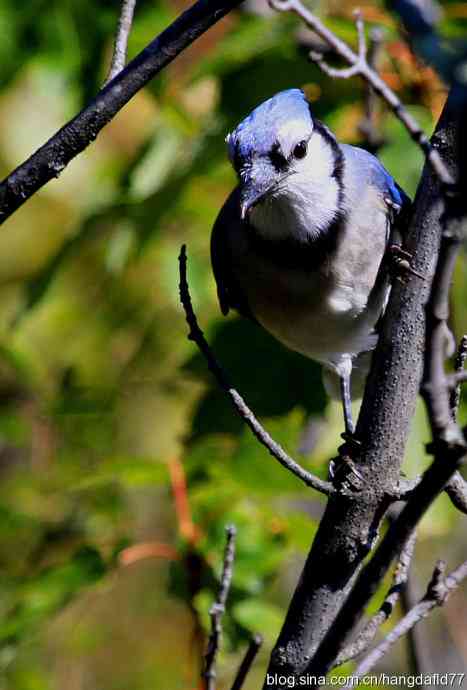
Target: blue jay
<point x="298" y="245"/>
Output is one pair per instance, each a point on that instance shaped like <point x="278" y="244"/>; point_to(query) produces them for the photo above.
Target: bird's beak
<point x="252" y="193"/>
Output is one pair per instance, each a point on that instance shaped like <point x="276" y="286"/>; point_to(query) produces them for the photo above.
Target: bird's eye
<point x="300" y="149"/>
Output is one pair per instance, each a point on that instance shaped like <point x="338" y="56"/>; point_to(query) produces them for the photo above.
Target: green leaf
<point x="259" y="617"/>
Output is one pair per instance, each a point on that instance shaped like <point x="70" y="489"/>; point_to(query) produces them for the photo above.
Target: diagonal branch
<point x="368" y="124"/>
<point x="331" y="597"/>
<point x="251" y="652"/>
<point x="125" y="21"/>
<point x="367" y="634"/>
<point x="448" y="445"/>
<point x="53" y="157"/>
<point x="417" y="649"/>
<point x="218" y="608"/>
<point x="197" y="336"/>
<point x="359" y="65"/>
<point x="438" y="590"/>
<point x="456" y="489"/>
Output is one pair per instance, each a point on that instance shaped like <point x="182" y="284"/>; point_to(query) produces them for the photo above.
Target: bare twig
<point x="252" y="651"/>
<point x="438" y="590"/>
<point x="367" y="634"/>
<point x="197" y="336"/>
<point x="417" y="648"/>
<point x="459" y="363"/>
<point x="456" y="489"/>
<point x="125" y="21"/>
<point x="217" y="609"/>
<point x="359" y="66"/>
<point x="454" y="380"/>
<point x="368" y="126"/>
<point x="51" y="158"/>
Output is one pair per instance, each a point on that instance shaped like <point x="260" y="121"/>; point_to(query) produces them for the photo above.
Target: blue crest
<point x="258" y="131"/>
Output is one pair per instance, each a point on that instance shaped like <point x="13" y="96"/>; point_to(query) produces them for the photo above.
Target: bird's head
<point x="285" y="160"/>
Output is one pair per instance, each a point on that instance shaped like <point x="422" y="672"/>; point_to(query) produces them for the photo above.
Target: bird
<point x="299" y="245"/>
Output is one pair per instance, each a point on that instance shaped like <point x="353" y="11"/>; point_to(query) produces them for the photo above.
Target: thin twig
<point x="367" y="634"/>
<point x="125" y="21"/>
<point x="251" y="652"/>
<point x="218" y="608"/>
<point x="368" y="126"/>
<point x="438" y="591"/>
<point x="359" y="65"/>
<point x="459" y="363"/>
<point x="456" y="489"/>
<point x="418" y="653"/>
<point x="197" y="336"/>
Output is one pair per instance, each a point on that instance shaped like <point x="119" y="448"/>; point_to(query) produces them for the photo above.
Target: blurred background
<point x="120" y="460"/>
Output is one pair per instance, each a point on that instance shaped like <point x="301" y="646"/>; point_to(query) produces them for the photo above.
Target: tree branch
<point x="448" y="445"/>
<point x="321" y="602"/>
<point x="252" y="651"/>
<point x="360" y="66"/>
<point x="438" y="590"/>
<point x="459" y="363"/>
<point x="53" y="157"/>
<point x="418" y="652"/>
<point x="218" y="608"/>
<point x="367" y="634"/>
<point x="368" y="126"/>
<point x="197" y="336"/>
<point x="125" y="21"/>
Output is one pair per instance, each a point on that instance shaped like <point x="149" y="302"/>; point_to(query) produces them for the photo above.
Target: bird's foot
<point x="400" y="263"/>
<point x="343" y="471"/>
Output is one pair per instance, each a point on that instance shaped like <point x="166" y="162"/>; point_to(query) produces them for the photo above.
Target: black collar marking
<point x="308" y="255"/>
<point x="311" y="254"/>
<point x="338" y="171"/>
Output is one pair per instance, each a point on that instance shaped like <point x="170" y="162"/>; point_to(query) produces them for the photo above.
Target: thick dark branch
<point x="359" y="66"/>
<point x="218" y="608"/>
<point x="456" y="489"/>
<point x="251" y="652"/>
<point x="448" y="445"/>
<point x="367" y="634"/>
<point x="125" y="21"/>
<point x="49" y="161"/>
<point x="349" y="526"/>
<point x="197" y="336"/>
<point x="438" y="590"/>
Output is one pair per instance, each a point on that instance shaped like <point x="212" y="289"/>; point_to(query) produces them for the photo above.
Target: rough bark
<point x="349" y="526"/>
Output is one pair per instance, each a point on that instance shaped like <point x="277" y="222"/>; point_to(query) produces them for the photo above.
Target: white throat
<point x="306" y="202"/>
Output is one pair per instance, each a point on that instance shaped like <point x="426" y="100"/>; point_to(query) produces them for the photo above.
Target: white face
<point x="305" y="200"/>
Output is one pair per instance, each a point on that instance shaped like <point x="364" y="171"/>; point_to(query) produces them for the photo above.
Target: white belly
<point x="315" y="313"/>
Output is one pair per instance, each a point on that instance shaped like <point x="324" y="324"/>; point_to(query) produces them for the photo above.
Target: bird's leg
<point x="342" y="470"/>
<point x="344" y="379"/>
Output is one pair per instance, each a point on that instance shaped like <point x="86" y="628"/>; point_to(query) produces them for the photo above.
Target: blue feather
<point x="257" y="132"/>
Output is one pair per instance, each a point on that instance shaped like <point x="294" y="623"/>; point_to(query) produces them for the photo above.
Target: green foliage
<point x="109" y="564"/>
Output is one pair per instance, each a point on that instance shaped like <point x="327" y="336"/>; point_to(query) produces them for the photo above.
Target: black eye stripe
<point x="277" y="158"/>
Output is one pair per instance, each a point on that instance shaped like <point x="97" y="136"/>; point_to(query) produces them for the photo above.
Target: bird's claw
<point x="400" y="263"/>
<point x="343" y="471"/>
